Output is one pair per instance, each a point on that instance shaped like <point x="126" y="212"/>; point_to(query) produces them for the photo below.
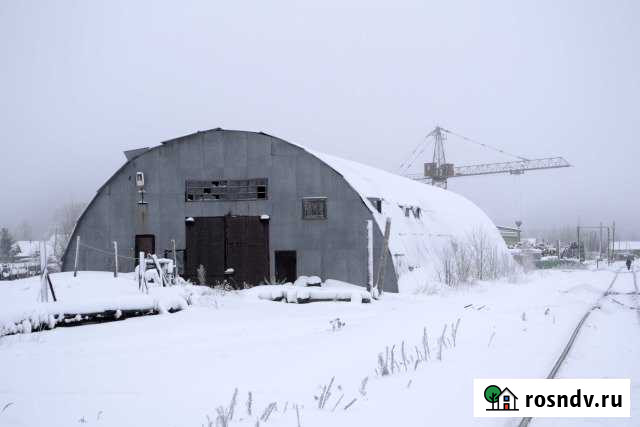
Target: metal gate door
<point x="205" y="246"/>
<point x="247" y="243"/>
<point x="219" y="243"/>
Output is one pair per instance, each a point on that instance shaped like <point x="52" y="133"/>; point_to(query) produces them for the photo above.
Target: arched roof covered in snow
<point x="424" y="218"/>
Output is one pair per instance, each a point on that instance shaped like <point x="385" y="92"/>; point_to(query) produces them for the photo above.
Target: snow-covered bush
<point x="456" y="263"/>
<point x="337" y="324"/>
<point x="475" y="257"/>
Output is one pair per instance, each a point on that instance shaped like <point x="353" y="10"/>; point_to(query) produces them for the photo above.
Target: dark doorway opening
<point x="219" y="243"/>
<point x="144" y="243"/>
<point x="286" y="266"/>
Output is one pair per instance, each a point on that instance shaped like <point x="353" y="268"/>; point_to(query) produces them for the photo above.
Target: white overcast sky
<point x="81" y="81"/>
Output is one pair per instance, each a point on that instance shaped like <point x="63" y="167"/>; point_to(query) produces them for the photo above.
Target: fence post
<point x="44" y="285"/>
<point x="383" y="256"/>
<point x="175" y="258"/>
<point x="370" y="256"/>
<point x="115" y="250"/>
<point x="75" y="262"/>
<point x="142" y="263"/>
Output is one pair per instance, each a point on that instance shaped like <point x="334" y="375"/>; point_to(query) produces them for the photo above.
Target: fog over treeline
<point x="83" y="81"/>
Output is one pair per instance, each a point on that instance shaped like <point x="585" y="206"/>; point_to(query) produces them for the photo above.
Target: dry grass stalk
<point x="363" y="386"/>
<point x="298" y="415"/>
<point x="454" y="331"/>
<point x="350" y="403"/>
<point x="268" y="411"/>
<point x="337" y="403"/>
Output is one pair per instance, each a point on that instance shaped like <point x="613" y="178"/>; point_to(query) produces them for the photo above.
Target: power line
<point x="105" y="252"/>
<point x="422" y="145"/>
<point x="484" y="145"/>
<point x="417" y="151"/>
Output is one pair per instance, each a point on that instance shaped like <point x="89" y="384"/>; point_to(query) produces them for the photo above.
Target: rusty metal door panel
<point x="247" y="248"/>
<point x="205" y="246"/>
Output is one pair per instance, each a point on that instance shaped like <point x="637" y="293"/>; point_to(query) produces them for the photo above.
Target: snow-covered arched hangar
<point x="269" y="209"/>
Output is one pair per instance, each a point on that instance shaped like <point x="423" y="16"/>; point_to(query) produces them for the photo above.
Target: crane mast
<point x="438" y="171"/>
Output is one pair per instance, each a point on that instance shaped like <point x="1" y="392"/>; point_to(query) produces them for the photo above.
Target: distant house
<point x="510" y="235"/>
<point x="507" y="400"/>
<point x="624" y="248"/>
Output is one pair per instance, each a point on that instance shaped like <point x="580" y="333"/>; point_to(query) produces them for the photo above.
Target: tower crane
<point x="438" y="171"/>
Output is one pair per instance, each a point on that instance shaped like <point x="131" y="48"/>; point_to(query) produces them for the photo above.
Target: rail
<point x="556" y="367"/>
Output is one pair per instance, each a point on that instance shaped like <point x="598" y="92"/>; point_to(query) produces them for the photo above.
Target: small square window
<point x="314" y="208"/>
<point x="377" y="203"/>
<point x="235" y="189"/>
<point x="506" y="398"/>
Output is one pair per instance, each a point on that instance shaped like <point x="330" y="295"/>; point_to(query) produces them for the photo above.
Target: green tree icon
<point x="491" y="393"/>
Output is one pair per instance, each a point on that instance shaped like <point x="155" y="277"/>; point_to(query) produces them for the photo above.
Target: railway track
<point x="634" y="294"/>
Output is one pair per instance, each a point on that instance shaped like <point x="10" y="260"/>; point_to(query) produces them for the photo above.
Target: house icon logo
<point x="501" y="400"/>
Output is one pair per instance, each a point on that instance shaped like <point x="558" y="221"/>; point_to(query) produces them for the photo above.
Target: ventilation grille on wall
<point x="226" y="189"/>
<point x="314" y="208"/>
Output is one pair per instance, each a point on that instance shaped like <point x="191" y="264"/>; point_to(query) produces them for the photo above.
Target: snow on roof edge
<point x="424" y="219"/>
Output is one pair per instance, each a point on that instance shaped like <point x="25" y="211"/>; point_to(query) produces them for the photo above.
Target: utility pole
<point x="608" y="246"/>
<point x="75" y="261"/>
<point x="600" y="248"/>
<point x="579" y="258"/>
<point x="613" y="238"/>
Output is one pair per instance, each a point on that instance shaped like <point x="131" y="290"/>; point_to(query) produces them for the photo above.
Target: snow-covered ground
<point x="176" y="369"/>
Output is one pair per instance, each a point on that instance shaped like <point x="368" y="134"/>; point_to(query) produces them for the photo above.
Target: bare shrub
<point x="475" y="257"/>
<point x="64" y="221"/>
<point x="202" y="275"/>
<point x="325" y="394"/>
<point x="383" y="364"/>
<point x="336" y="324"/>
<point x="456" y="263"/>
